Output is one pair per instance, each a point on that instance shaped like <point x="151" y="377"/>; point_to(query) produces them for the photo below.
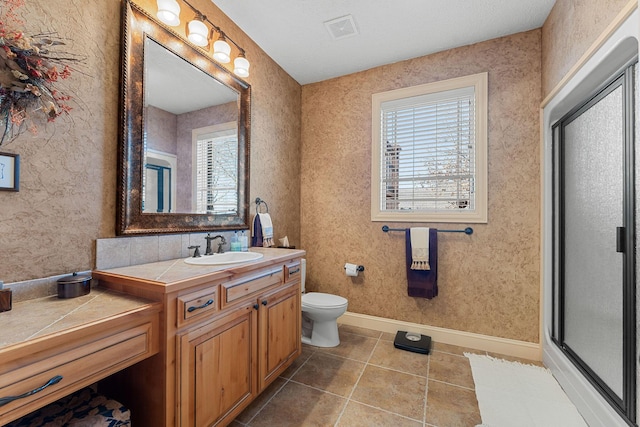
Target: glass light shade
<point x="198" y="33"/>
<point x="221" y="51"/>
<point x="241" y="66"/>
<point x="169" y="12"/>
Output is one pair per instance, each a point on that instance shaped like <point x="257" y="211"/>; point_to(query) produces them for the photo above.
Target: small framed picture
<point x="9" y="172"/>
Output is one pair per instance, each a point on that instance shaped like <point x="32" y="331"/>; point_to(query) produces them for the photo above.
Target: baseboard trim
<point x="515" y="348"/>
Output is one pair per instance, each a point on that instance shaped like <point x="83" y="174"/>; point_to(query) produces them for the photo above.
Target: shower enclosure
<point x="590" y="222"/>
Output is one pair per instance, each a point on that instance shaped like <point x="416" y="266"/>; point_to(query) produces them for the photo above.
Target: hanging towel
<point x="419" y="248"/>
<point x="262" y="233"/>
<point x="256" y="232"/>
<point x="423" y="283"/>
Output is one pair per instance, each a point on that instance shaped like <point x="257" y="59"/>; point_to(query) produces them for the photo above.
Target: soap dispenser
<point x="244" y="242"/>
<point x="235" y="243"/>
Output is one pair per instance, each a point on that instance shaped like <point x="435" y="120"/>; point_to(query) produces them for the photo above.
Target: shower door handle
<point x="620" y="239"/>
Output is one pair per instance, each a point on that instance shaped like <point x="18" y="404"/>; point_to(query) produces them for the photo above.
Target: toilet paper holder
<point x="360" y="268"/>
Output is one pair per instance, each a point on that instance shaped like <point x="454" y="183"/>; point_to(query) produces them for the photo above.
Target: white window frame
<point x="479" y="83"/>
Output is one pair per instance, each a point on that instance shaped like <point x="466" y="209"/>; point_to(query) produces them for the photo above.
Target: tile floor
<point x="366" y="381"/>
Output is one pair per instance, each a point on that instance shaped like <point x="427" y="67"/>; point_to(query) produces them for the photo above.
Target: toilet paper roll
<point x="351" y="269"/>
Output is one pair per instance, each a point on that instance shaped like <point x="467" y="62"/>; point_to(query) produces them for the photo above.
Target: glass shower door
<point x="593" y="210"/>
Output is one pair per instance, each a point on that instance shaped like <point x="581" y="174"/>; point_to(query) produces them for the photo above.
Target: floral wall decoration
<point x="31" y="66"/>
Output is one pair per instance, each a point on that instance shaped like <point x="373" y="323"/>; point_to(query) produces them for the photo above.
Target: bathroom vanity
<point x="227" y="331"/>
<point x="51" y="347"/>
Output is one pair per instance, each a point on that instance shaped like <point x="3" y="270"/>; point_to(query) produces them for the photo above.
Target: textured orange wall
<point x="571" y="27"/>
<point x="489" y="282"/>
<point x="68" y="172"/>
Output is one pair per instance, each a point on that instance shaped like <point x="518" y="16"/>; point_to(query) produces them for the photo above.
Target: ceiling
<point x="293" y="33"/>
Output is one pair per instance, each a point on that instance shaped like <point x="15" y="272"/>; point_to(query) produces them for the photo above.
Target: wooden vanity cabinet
<point x="228" y="335"/>
<point x="226" y="363"/>
<point x="217" y="367"/>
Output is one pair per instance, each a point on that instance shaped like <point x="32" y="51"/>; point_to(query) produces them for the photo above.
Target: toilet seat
<point x="322" y="300"/>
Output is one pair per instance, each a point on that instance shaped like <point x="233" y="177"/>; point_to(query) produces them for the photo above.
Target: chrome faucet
<point x="209" y="239"/>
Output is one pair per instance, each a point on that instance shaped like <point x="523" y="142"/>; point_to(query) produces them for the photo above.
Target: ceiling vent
<point x="342" y="27"/>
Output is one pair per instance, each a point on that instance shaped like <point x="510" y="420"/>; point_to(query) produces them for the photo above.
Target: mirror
<point x="184" y="149"/>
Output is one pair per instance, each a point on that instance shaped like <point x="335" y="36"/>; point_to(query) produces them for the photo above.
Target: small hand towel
<point x="256" y="232"/>
<point x="267" y="229"/>
<point x="420" y="248"/>
<point x="423" y="283"/>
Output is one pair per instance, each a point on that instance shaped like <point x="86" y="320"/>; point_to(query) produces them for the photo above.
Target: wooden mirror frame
<point x="136" y="26"/>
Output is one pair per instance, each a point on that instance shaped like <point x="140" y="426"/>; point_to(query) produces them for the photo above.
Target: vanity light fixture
<point x="169" y="12"/>
<point x="198" y="34"/>
<point x="241" y="65"/>
<point x="222" y="50"/>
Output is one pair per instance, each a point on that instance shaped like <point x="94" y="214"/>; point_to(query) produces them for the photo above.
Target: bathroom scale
<point x="412" y="341"/>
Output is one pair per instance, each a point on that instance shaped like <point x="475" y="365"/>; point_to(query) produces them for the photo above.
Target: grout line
<point x="268" y="401"/>
<point x="401" y="372"/>
<point x="317" y="389"/>
<point x="353" y="389"/>
<point x="385" y="410"/>
<point x="455" y="385"/>
<point x="286" y="381"/>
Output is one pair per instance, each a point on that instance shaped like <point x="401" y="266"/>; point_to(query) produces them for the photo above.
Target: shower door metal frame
<point x="626" y="406"/>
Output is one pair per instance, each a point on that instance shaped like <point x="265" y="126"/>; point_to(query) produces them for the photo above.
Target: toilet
<point x="320" y="313"/>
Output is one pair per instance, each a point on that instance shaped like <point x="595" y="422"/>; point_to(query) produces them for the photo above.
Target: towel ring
<point x="259" y="202"/>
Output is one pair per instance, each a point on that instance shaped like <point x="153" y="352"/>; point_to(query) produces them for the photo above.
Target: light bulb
<point x="198" y="33"/>
<point x="241" y="66"/>
<point x="169" y="12"/>
<point x="221" y="50"/>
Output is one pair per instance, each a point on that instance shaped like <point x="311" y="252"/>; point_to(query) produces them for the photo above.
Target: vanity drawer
<point x="197" y="304"/>
<point x="292" y="271"/>
<point x="247" y="285"/>
<point x="73" y="369"/>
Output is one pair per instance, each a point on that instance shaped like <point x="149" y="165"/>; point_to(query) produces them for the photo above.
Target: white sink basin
<point x="225" y="258"/>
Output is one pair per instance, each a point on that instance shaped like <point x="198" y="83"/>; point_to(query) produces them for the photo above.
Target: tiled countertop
<point x="174" y="274"/>
<point x="38" y="317"/>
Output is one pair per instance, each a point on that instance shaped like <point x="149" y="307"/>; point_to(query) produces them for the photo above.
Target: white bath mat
<point x="511" y="394"/>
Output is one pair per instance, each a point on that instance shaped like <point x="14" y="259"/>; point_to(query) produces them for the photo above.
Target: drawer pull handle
<point x="256" y="306"/>
<point x="297" y="270"/>
<point x="265" y="302"/>
<point x="206" y="304"/>
<point x="52" y="381"/>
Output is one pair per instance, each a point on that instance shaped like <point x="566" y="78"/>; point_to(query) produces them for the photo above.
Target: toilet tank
<point x="303" y="273"/>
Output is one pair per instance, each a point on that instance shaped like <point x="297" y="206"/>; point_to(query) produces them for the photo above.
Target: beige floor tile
<point x="307" y="351"/>
<point x="451" y="406"/>
<point x="297" y="405"/>
<point x="454" y="349"/>
<point x="330" y="373"/>
<point x="386" y="355"/>
<point x="388" y="336"/>
<point x="359" y="415"/>
<point x="255" y="406"/>
<point x="451" y="369"/>
<point x="392" y="391"/>
<point x="360" y="331"/>
<point x="352" y="346"/>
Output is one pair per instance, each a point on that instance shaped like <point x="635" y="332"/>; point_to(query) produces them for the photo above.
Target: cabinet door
<point x="217" y="368"/>
<point x="280" y="322"/>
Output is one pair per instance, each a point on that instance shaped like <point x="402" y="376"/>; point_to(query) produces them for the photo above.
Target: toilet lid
<point x="320" y="300"/>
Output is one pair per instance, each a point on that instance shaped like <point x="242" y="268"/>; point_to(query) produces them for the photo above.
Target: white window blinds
<point x="428" y="147"/>
<point x="217" y="173"/>
<point x="429" y="152"/>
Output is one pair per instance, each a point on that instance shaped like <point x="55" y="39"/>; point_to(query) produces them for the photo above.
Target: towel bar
<point x="467" y="230"/>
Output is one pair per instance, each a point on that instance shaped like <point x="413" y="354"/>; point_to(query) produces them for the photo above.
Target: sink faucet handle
<point x="196" y="253"/>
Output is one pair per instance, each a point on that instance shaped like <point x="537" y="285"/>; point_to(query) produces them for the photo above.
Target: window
<point x="429" y="152"/>
<point x="216" y="182"/>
